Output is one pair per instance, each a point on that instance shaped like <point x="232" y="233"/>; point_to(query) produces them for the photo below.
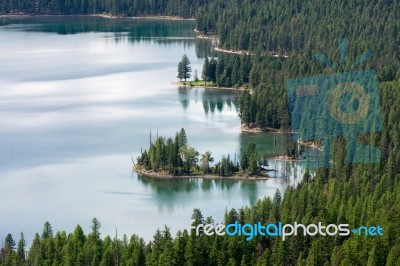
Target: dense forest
<point x="176" y="157"/>
<point x="184" y="9"/>
<point x="284" y="37"/>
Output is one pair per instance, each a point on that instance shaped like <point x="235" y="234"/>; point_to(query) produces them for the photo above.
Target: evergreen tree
<point x="182" y="137"/>
<point x="21" y="259"/>
<point x="184" y="68"/>
<point x="205" y="72"/>
<point x="212" y="68"/>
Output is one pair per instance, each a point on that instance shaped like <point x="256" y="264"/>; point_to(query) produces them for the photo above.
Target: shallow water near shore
<point x="81" y="96"/>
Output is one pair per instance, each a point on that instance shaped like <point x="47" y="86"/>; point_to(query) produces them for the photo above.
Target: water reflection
<point x="212" y="100"/>
<point x="135" y="28"/>
<point x="132" y="30"/>
<point x="169" y="187"/>
<point x="177" y="185"/>
<point x="204" y="48"/>
<point x="180" y="192"/>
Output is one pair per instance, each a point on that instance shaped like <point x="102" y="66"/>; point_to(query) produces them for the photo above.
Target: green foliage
<point x="199" y="83"/>
<point x="299" y="29"/>
<point x="205" y="75"/>
<point x="226" y="167"/>
<point x="249" y="159"/>
<point x="178" y="158"/>
<point x="247" y="109"/>
<point x="184" y="68"/>
<point x="284" y="37"/>
<point x="205" y="160"/>
<point x="209" y="70"/>
<point x="21" y="259"/>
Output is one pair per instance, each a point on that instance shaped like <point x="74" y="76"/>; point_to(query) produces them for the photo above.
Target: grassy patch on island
<point x="199" y="83"/>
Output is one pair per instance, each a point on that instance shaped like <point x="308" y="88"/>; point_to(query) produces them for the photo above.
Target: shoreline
<point x="108" y="16"/>
<point x="239" y="52"/>
<point x="150" y="17"/>
<point x="246" y="52"/>
<point x="199" y="35"/>
<point x="205" y="37"/>
<point x="180" y="84"/>
<point x="284" y="158"/>
<point x="257" y="129"/>
<point x="166" y="176"/>
<point x="310" y="144"/>
<point x="163" y="18"/>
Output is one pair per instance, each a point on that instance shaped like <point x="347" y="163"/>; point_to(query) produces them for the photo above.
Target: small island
<point x="174" y="158"/>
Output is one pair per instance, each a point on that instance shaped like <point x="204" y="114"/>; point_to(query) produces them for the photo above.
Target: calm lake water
<point x="80" y="96"/>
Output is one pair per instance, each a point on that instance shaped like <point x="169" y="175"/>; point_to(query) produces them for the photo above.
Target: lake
<point x="80" y="96"/>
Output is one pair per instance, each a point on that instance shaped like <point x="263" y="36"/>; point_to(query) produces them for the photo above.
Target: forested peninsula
<point x="357" y="194"/>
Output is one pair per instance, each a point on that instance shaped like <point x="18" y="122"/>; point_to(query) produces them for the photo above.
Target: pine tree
<point x="184" y="68"/>
<point x="212" y="69"/>
<point x="21" y="250"/>
<point x="182" y="138"/>
<point x="205" y="71"/>
<point x="47" y="231"/>
<point x="35" y="252"/>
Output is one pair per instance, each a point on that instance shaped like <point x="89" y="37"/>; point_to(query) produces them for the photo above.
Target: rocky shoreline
<point x="166" y="176"/>
<point x="181" y="84"/>
<point x="239" y="52"/>
<point x="256" y="129"/>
